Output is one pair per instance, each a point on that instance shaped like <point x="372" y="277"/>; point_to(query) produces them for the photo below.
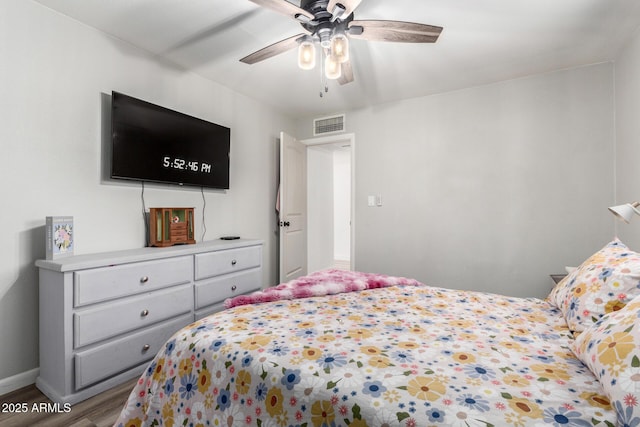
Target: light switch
<point x="371" y="201"/>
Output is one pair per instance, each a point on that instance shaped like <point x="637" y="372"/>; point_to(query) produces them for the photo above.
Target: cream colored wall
<point x="490" y="188"/>
<point x="342" y="205"/>
<point x="54" y="75"/>
<point x="627" y="92"/>
<point x="320" y="204"/>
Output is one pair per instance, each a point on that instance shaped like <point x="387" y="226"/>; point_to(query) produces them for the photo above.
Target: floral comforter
<point x="394" y="355"/>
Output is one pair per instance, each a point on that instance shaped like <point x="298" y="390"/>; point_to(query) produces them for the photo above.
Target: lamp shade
<point x="625" y="212"/>
<point x="306" y="55"/>
<point x="332" y="68"/>
<point x="340" y="47"/>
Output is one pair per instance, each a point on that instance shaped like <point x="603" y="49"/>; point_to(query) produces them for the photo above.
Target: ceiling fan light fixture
<point x="332" y="69"/>
<point x="329" y="24"/>
<point x="337" y="12"/>
<point x="306" y="55"/>
<point x="340" y="47"/>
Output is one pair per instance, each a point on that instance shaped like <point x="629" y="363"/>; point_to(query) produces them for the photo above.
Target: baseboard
<point x="7" y="385"/>
<point x="91" y="390"/>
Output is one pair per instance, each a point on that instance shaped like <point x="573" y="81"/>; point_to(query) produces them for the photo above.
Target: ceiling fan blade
<point x="273" y="50"/>
<point x="348" y="6"/>
<point x="286" y="8"/>
<point x="394" y="31"/>
<point x="346" y="75"/>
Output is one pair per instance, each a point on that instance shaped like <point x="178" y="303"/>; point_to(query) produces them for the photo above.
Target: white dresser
<point x="104" y="316"/>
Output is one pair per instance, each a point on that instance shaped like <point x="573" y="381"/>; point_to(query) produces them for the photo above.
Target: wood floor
<point x="98" y="411"/>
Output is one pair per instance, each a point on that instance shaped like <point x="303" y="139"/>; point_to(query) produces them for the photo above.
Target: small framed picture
<point x="59" y="235"/>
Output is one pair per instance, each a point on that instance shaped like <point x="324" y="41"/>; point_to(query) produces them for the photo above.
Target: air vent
<point x="327" y="125"/>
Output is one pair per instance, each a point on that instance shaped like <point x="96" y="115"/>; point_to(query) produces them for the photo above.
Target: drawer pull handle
<point x="144" y="313"/>
<point x="234" y="262"/>
<point x="234" y="287"/>
<point x="144" y="279"/>
<point x="145" y="348"/>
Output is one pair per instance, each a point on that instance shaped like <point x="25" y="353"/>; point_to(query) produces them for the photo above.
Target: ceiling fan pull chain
<point x="322" y="82"/>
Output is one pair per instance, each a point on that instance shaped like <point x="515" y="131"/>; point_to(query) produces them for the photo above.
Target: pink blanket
<point x="325" y="282"/>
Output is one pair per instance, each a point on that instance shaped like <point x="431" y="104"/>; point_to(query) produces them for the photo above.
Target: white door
<point x="293" y="208"/>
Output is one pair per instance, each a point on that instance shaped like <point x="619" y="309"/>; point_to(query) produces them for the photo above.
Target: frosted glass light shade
<point x="625" y="212"/>
<point x="306" y="55"/>
<point x="340" y="47"/>
<point x="332" y="68"/>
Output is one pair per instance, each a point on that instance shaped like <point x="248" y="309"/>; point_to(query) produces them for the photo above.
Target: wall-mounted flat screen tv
<point x="156" y="144"/>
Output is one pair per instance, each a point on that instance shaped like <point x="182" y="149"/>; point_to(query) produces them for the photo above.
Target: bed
<point x="339" y="348"/>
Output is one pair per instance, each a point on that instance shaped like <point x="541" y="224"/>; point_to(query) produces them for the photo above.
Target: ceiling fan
<point x="330" y="23"/>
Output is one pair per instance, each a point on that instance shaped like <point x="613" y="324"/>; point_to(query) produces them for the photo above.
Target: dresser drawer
<point x="102" y="284"/>
<point x="94" y="324"/>
<point x="100" y="362"/>
<point x="216" y="290"/>
<point x="212" y="264"/>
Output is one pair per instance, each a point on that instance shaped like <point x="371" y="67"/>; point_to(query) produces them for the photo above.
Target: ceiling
<point x="483" y="41"/>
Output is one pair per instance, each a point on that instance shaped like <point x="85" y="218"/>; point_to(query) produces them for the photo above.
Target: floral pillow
<point x="611" y="350"/>
<point x="604" y="283"/>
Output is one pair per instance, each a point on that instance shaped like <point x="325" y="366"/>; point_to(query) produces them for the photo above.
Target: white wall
<point x="53" y="74"/>
<point x="627" y="84"/>
<point x="320" y="221"/>
<point x="490" y="188"/>
<point x="342" y="205"/>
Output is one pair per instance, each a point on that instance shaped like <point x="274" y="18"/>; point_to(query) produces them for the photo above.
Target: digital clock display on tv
<point x="186" y="165"/>
<point x="153" y="143"/>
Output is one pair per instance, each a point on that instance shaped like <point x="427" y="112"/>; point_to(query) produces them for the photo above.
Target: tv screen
<point x="156" y="144"/>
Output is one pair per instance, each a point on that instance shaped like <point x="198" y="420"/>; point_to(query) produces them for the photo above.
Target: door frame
<point x="351" y="139"/>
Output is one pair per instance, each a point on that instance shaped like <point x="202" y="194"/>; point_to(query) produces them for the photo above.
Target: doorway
<point x="330" y="184"/>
